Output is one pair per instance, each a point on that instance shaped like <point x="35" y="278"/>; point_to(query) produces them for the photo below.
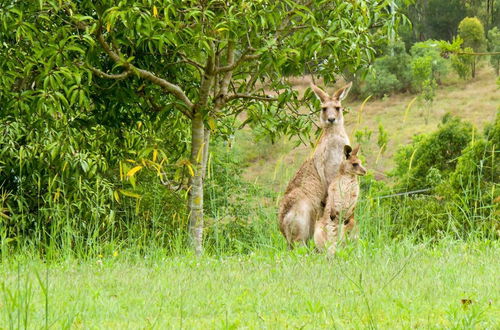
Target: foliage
<point x="476" y="179"/>
<point x="463" y="64"/>
<point x="363" y="137"/>
<point x="79" y="75"/>
<point x="421" y="68"/>
<point x="399" y="71"/>
<point x="434" y="19"/>
<point x="390" y="73"/>
<point x="435" y="67"/>
<point x="383" y="138"/>
<point x="439" y="19"/>
<point x="438" y="150"/>
<point x="461" y="169"/>
<point x="471" y="31"/>
<point x="381" y="82"/>
<point x="494" y="46"/>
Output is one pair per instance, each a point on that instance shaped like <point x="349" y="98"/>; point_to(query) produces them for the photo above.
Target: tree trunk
<point x="206" y="144"/>
<point x="195" y="201"/>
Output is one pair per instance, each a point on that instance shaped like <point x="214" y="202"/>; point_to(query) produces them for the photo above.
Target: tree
<point x="494" y="46"/>
<point x="204" y="62"/>
<point x="434" y="19"/>
<point x="471" y="31"/>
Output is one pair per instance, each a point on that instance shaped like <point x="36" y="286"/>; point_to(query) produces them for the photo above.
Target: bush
<point x="464" y="175"/>
<point x="427" y="63"/>
<point x="435" y="154"/>
<point x="381" y="82"/>
<point x="462" y="64"/>
<point x="401" y="72"/>
<point x="477" y="173"/>
<point x="390" y="73"/>
<point x="61" y="181"/>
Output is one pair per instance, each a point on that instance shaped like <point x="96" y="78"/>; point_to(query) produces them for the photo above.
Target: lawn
<point x="367" y="285"/>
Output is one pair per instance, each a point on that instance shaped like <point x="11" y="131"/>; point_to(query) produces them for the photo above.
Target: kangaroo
<point x="341" y="201"/>
<point x="302" y="202"/>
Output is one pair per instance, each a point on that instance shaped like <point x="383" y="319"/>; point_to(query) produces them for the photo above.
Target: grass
<point x="367" y="285"/>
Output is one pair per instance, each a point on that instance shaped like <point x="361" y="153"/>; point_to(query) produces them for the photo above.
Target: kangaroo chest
<point x="334" y="155"/>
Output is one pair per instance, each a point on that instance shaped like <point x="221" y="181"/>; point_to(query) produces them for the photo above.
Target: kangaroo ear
<point x="320" y="94"/>
<point x="342" y="93"/>
<point x="347" y="151"/>
<point x="355" y="150"/>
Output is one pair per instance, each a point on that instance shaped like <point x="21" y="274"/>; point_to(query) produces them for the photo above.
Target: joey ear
<point x="347" y="151"/>
<point x="342" y="93"/>
<point x="355" y="150"/>
<point x="320" y="94"/>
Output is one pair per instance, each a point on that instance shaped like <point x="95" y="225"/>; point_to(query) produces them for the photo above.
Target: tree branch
<point x="477" y="54"/>
<point x="102" y="74"/>
<point x="252" y="97"/>
<point x="190" y="61"/>
<point x="167" y="86"/>
<point x="244" y="57"/>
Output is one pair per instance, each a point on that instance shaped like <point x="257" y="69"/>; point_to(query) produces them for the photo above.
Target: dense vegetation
<point x="97" y="93"/>
<point x="129" y="136"/>
<point x="91" y="158"/>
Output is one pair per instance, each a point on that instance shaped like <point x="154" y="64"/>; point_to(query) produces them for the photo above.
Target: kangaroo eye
<point x="324" y="108"/>
<point x="355" y="164"/>
<point x="338" y="108"/>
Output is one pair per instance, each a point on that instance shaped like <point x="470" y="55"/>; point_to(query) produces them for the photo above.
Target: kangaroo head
<point x="331" y="107"/>
<point x="352" y="164"/>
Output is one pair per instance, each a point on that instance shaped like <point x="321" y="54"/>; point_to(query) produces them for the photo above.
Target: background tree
<point x="433" y="19"/>
<point x="471" y="31"/>
<point x="192" y="65"/>
<point x="494" y="46"/>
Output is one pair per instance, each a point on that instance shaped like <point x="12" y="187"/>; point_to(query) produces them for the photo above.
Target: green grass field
<point x="379" y="285"/>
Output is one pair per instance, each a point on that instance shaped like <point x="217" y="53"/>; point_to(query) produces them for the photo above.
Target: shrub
<point x="381" y="82"/>
<point x="62" y="179"/>
<point x="418" y="164"/>
<point x="465" y="176"/>
<point x="390" y="74"/>
<point x="478" y="171"/>
<point x="427" y="55"/>
<point x="399" y="72"/>
<point x="462" y="64"/>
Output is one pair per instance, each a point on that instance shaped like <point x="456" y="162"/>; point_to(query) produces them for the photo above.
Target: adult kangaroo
<point x="302" y="205"/>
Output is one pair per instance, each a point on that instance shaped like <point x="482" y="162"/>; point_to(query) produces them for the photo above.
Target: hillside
<point x="475" y="100"/>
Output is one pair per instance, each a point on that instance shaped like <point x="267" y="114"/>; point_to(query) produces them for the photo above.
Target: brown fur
<point x="301" y="204"/>
<point x="342" y="197"/>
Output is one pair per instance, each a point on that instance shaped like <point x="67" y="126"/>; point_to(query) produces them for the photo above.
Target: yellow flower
<point x="115" y="254"/>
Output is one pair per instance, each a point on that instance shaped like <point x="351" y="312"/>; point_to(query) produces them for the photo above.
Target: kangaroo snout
<point x="331" y="120"/>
